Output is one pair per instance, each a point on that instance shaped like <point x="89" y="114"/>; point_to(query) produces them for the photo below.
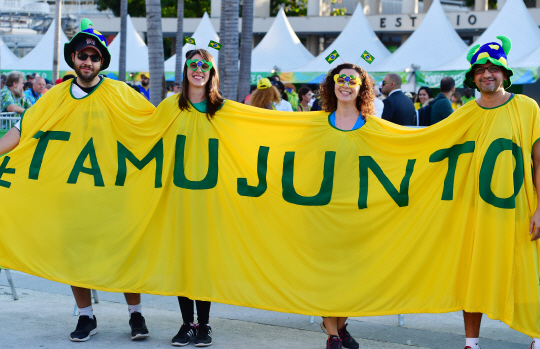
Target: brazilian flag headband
<point x="366" y="56"/>
<point x="492" y="52"/>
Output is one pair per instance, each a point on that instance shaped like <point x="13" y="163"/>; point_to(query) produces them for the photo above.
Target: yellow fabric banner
<point x="276" y="210"/>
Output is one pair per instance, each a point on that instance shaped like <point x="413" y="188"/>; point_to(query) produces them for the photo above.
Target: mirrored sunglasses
<point x="351" y="80"/>
<point x="195" y="64"/>
<point x="84" y="56"/>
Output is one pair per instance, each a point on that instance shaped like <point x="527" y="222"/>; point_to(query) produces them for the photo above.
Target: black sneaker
<point x="347" y="339"/>
<point x="86" y="327"/>
<point x="203" y="339"/>
<point x="185" y="335"/>
<point x="138" y="327"/>
<point x="334" y="343"/>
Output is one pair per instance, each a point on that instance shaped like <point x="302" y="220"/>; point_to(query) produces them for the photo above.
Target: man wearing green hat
<point x="490" y="74"/>
<point x="87" y="54"/>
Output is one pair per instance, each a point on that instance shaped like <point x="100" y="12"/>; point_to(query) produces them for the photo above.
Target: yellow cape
<point x="277" y="211"/>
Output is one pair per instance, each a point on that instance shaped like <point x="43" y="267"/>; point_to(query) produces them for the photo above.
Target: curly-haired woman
<point x="200" y="90"/>
<point x="346" y="94"/>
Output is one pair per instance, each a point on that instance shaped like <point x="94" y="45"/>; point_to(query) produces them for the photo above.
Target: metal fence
<point x="7" y="121"/>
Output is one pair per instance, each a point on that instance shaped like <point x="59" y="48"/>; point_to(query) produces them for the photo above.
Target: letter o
<point x="488" y="166"/>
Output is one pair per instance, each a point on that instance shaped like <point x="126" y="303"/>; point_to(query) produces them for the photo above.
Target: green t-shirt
<point x="201" y="106"/>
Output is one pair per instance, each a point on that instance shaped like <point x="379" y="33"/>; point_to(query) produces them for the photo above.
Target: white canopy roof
<point x="432" y="43"/>
<point x="136" y="51"/>
<point x="515" y="22"/>
<point x="356" y="38"/>
<point x="202" y="35"/>
<point x="41" y="57"/>
<point x="7" y="57"/>
<point x="280" y="48"/>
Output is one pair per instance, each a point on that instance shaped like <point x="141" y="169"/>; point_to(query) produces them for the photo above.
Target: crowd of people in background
<point x="19" y="92"/>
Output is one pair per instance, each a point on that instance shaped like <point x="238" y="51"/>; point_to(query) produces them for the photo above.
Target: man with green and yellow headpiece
<point x="490" y="74"/>
<point x="89" y="103"/>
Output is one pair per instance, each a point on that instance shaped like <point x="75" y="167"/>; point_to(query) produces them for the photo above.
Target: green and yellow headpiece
<point x="491" y="52"/>
<point x="91" y="37"/>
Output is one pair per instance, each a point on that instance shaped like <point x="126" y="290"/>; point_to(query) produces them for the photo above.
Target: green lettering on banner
<point x="211" y="178"/>
<point x="94" y="170"/>
<point x="488" y="166"/>
<point x="262" y="166"/>
<point x="4" y="169"/>
<point x="325" y="192"/>
<point x="452" y="154"/>
<point x="401" y="197"/>
<point x="124" y="155"/>
<point x="44" y="138"/>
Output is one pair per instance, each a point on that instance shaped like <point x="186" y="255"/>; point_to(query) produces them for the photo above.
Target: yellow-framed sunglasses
<point x="351" y="80"/>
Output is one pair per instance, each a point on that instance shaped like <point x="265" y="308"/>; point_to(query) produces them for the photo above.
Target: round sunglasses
<point x="351" y="80"/>
<point x="195" y="64"/>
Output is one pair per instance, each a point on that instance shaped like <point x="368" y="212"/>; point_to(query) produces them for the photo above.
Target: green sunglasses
<point x="195" y="64"/>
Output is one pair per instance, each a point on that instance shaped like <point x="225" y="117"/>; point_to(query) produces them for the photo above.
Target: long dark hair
<point x="365" y="99"/>
<point x="428" y="91"/>
<point x="214" y="100"/>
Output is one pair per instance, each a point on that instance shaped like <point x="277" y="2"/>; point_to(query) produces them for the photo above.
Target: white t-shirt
<point x="75" y="91"/>
<point x="379" y="106"/>
<point x="283" y="106"/>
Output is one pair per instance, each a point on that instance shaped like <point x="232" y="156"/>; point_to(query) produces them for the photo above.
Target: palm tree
<point x="155" y="51"/>
<point x="56" y="47"/>
<point x="221" y="54"/>
<point x="123" y="39"/>
<point x="230" y="47"/>
<point x="179" y="41"/>
<point x="246" y="43"/>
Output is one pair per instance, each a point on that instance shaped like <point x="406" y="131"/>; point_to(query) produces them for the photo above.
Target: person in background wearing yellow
<point x="305" y="95"/>
<point x="423" y="97"/>
<point x="265" y="96"/>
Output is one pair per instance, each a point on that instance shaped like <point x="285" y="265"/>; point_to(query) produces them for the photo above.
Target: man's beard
<point x="491" y="89"/>
<point x="18" y="92"/>
<point x="86" y="78"/>
<point x="145" y="83"/>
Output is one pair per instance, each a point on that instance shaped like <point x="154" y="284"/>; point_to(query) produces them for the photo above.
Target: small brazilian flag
<point x="215" y="45"/>
<point x="368" y="57"/>
<point x="188" y="40"/>
<point x="332" y="57"/>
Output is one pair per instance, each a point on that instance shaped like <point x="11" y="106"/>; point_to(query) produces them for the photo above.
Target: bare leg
<point x="331" y="325"/>
<point x="472" y="324"/>
<point x="82" y="296"/>
<point x="133" y="298"/>
<point x="341" y="321"/>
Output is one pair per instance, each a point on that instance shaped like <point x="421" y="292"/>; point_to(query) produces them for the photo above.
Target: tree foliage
<point x="291" y="7"/>
<point x="137" y="8"/>
<point x="492" y="4"/>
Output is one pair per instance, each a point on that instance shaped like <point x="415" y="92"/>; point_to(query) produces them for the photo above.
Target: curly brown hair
<point x="214" y="101"/>
<point x="365" y="102"/>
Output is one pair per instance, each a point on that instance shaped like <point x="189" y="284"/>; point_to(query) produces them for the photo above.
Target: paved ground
<point x="42" y="318"/>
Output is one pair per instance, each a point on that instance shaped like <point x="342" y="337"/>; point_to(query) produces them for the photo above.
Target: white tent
<point x="202" y="35"/>
<point x="515" y="22"/>
<point x="136" y="51"/>
<point x="280" y="48"/>
<point x="431" y="44"/>
<point x="40" y="59"/>
<point x="356" y="38"/>
<point x="7" y="57"/>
